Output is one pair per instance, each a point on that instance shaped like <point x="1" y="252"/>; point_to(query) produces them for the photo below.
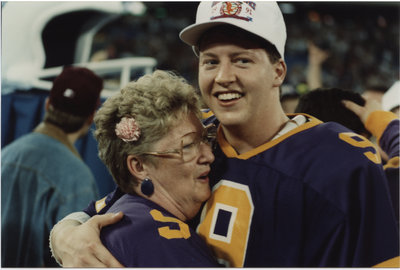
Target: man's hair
<point x="326" y="105"/>
<point x="157" y="102"/>
<point x="67" y="122"/>
<point x="240" y="34"/>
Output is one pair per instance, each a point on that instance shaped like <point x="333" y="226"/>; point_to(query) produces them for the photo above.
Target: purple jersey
<point x="149" y="236"/>
<point x="313" y="197"/>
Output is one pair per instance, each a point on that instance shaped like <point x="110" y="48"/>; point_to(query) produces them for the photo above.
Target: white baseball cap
<point x="391" y="98"/>
<point x="262" y="18"/>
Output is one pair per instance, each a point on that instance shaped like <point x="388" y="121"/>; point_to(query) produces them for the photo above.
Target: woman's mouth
<point x="204" y="176"/>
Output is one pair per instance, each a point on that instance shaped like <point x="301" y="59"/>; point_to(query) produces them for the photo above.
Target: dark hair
<point x="289" y="96"/>
<point x="239" y="34"/>
<point x="67" y="122"/>
<point x="326" y="105"/>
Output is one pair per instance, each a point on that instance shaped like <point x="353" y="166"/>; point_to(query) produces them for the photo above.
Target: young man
<point x="43" y="177"/>
<point x="286" y="191"/>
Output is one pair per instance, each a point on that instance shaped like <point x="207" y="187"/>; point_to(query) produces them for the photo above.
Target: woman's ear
<point x="135" y="167"/>
<point x="280" y="72"/>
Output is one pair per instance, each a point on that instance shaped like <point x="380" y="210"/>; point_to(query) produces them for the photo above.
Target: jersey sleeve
<point x="358" y="187"/>
<point x="385" y="127"/>
<point x="101" y="206"/>
<point x="148" y="236"/>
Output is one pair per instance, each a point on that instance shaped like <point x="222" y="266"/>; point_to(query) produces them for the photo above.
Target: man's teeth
<point x="228" y="96"/>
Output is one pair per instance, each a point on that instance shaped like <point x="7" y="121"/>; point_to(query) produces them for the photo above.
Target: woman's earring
<point x="147" y="187"/>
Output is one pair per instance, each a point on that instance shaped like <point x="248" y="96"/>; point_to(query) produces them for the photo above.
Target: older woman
<point x="152" y="140"/>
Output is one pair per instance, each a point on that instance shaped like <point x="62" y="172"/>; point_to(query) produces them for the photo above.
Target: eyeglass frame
<point x="208" y="137"/>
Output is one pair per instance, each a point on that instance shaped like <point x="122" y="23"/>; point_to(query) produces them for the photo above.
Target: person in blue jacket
<point x="43" y="177"/>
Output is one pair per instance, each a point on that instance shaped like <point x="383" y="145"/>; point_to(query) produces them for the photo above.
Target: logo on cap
<point x="69" y="93"/>
<point x="236" y="10"/>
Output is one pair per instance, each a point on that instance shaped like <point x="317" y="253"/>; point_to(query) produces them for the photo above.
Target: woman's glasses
<point x="189" y="151"/>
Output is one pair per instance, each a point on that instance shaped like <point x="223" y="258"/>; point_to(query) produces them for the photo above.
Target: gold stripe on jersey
<point x="205" y="115"/>
<point x="378" y="121"/>
<point x="391" y="263"/>
<point x="231" y="152"/>
<point x="100" y="204"/>
<point x="392" y="163"/>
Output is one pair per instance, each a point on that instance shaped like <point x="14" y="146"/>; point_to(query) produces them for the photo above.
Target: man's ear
<point x="280" y="72"/>
<point x="47" y="103"/>
<point x="90" y="118"/>
<point x="136" y="167"/>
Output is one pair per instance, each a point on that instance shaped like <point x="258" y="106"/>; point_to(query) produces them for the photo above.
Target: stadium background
<point x="361" y="37"/>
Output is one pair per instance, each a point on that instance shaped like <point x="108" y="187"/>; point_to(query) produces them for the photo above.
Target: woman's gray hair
<point x="156" y="101"/>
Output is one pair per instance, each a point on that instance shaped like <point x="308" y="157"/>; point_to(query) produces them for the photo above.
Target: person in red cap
<point x="288" y="190"/>
<point x="43" y="177"/>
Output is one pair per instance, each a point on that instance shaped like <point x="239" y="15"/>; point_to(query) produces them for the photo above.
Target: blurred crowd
<point x="361" y="40"/>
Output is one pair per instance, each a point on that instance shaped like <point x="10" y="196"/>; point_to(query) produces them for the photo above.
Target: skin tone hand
<point x="79" y="245"/>
<point x="363" y="112"/>
<point x="316" y="57"/>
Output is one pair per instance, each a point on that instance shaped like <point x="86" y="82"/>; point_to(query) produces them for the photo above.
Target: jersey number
<point x="226" y="220"/>
<point x="168" y="233"/>
<point x="361" y="142"/>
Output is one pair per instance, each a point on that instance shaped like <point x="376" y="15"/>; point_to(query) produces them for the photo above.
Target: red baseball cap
<point x="76" y="91"/>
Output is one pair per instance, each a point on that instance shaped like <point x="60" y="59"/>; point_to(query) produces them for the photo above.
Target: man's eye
<point x="210" y="62"/>
<point x="242" y="61"/>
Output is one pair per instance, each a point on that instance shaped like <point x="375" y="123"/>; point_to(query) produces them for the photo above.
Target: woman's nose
<point x="206" y="155"/>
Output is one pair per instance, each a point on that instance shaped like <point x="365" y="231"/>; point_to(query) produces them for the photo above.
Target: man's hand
<point x="363" y="112"/>
<point x="79" y="245"/>
<point x="316" y="56"/>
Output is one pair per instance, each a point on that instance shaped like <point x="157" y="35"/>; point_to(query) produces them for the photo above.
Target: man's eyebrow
<point x="208" y="54"/>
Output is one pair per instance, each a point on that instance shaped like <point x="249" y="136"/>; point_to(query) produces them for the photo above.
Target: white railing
<point x="124" y="66"/>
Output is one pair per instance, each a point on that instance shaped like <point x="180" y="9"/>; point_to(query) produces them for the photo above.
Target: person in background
<point x="43" y="177"/>
<point x="374" y="92"/>
<point x="151" y="139"/>
<point x="287" y="191"/>
<point x="365" y="117"/>
<point x="316" y="58"/>
<point x="326" y="105"/>
<point x="391" y="99"/>
<point x="289" y="98"/>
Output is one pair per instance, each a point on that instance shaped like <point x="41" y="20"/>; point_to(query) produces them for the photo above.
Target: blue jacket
<point x="42" y="180"/>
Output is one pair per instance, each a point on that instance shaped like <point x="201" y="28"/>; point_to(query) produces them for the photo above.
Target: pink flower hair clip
<point x="127" y="129"/>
